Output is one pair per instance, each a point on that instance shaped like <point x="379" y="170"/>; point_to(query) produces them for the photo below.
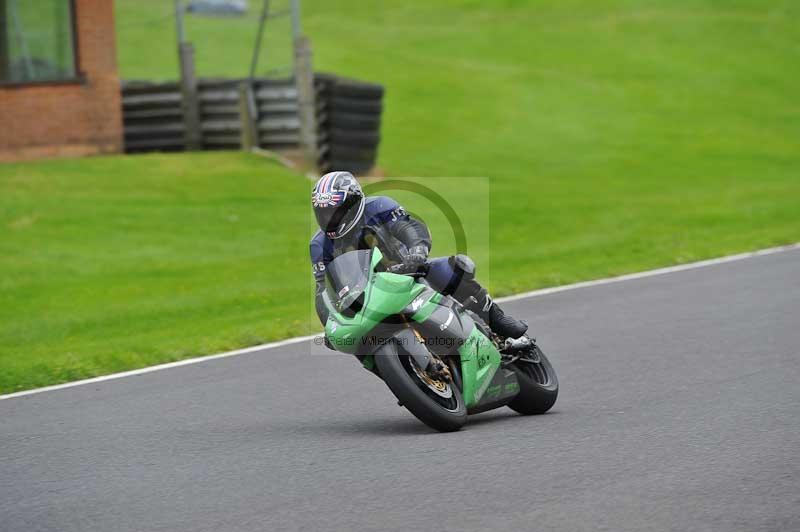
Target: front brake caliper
<point x="438" y="370"/>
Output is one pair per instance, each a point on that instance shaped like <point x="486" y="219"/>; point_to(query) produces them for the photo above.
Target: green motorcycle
<point x="438" y="358"/>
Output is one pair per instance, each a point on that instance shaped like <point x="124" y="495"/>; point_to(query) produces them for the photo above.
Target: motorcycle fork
<point x="437" y="368"/>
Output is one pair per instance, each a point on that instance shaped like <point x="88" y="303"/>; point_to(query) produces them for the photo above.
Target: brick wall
<point x="69" y="119"/>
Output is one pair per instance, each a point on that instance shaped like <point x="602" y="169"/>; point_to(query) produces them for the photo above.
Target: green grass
<point x="119" y="262"/>
<point x="616" y="136"/>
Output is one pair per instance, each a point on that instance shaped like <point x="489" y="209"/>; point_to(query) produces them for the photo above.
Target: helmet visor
<point x="336" y="221"/>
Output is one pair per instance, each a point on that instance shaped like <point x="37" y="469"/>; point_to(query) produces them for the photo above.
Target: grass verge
<point x="617" y="136"/>
<point x="114" y="263"/>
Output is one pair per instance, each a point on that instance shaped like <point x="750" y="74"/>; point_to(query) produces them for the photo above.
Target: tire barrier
<point x="153" y="118"/>
<point x="349" y="123"/>
<point x="348" y="116"/>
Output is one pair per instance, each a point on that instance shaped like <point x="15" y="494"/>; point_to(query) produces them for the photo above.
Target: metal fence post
<point x="190" y="101"/>
<point x="304" y="81"/>
<point x="247" y="116"/>
<point x="190" y="105"/>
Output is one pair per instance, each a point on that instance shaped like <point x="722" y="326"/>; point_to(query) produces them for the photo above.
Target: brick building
<point x="59" y="87"/>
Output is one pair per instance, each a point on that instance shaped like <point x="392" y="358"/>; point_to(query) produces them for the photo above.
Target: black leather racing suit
<point x="388" y="227"/>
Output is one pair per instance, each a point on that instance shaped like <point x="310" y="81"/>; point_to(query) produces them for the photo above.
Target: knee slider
<point x="463" y="264"/>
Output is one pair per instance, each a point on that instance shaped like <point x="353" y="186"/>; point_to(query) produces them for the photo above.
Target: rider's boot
<point x="481" y="303"/>
<point x="505" y="325"/>
<point x="474" y="297"/>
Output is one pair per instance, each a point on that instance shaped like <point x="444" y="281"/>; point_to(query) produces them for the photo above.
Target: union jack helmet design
<point x="338" y="203"/>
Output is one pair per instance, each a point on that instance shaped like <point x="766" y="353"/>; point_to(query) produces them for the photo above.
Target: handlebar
<point x="401" y="269"/>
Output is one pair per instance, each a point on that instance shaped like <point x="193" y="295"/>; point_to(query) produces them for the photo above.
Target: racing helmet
<point x="338" y="203"/>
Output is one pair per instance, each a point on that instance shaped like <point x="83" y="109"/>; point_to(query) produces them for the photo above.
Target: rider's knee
<point x="463" y="265"/>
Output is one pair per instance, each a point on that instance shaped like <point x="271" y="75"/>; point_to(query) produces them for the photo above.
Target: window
<point x="36" y="41"/>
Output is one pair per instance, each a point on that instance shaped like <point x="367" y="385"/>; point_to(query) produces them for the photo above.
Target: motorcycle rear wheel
<point x="538" y="385"/>
<point x="440" y="408"/>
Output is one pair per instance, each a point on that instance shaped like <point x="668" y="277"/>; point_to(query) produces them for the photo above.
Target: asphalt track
<point x="679" y="410"/>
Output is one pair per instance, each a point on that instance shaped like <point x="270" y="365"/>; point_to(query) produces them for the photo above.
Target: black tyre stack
<point x="349" y="119"/>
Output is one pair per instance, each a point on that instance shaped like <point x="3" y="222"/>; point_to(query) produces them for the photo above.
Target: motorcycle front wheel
<point x="538" y="384"/>
<point x="436" y="403"/>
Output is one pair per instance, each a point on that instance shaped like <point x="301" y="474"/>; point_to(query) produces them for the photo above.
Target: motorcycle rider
<point x="349" y="220"/>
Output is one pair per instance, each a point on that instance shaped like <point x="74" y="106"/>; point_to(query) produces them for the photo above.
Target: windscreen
<point x="346" y="276"/>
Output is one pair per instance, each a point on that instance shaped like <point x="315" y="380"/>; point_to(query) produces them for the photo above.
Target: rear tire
<point x="398" y="373"/>
<point x="538" y="386"/>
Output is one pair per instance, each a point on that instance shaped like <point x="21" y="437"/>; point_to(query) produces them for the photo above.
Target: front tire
<point x="440" y="409"/>
<point x="538" y="385"/>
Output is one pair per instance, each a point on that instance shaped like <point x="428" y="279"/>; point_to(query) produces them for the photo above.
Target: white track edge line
<point x="515" y="297"/>
<point x="652" y="273"/>
<point x="159" y="367"/>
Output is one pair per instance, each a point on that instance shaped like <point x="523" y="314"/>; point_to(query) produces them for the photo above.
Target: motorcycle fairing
<point x="392" y="304"/>
<point x="385" y="295"/>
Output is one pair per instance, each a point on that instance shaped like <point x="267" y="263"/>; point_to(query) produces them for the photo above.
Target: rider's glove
<point x="416" y="257"/>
